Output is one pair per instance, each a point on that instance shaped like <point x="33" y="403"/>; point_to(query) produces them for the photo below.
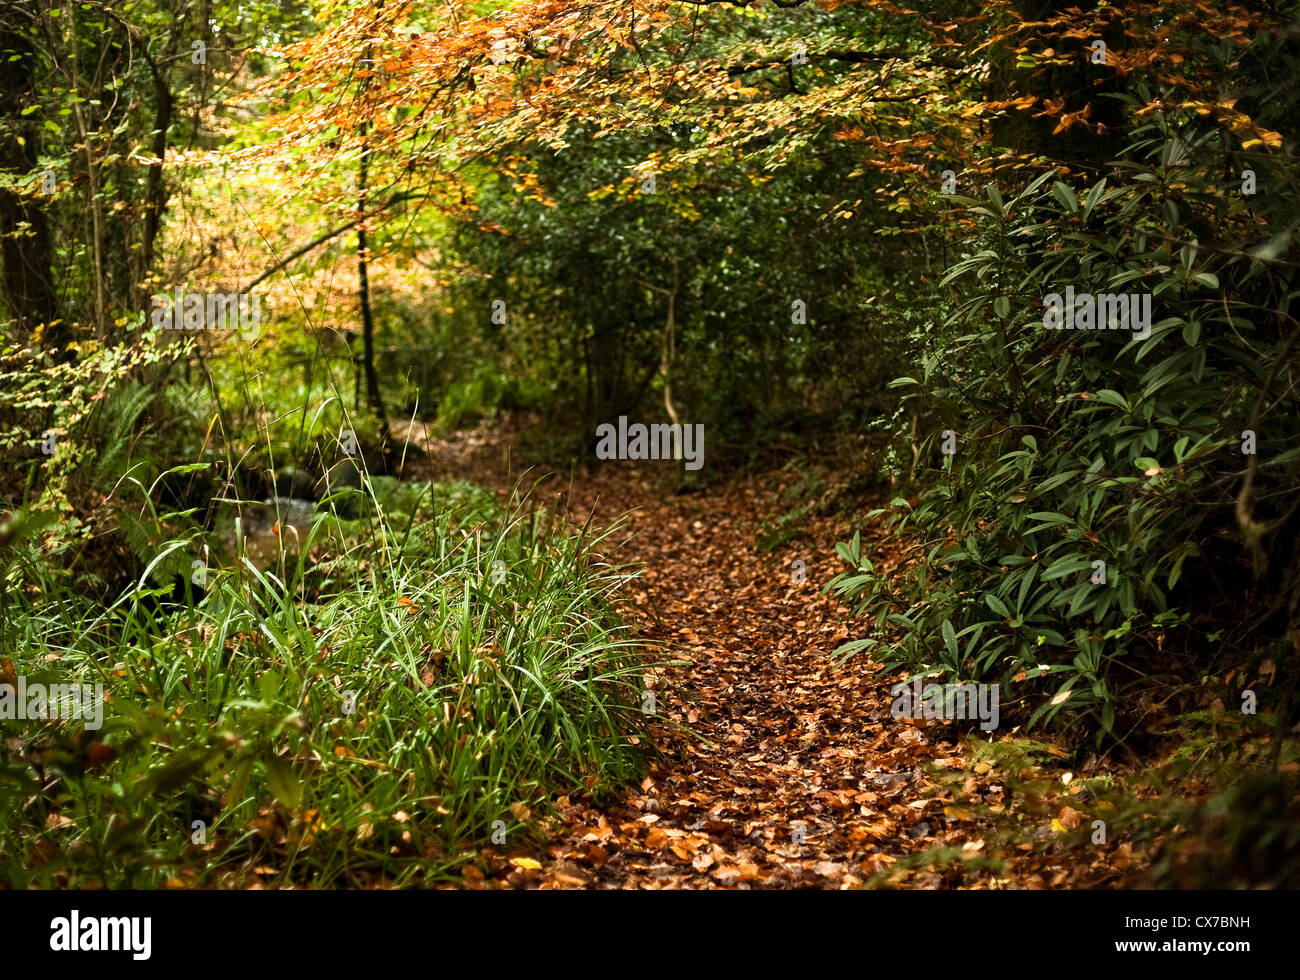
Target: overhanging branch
<point x="322" y="239"/>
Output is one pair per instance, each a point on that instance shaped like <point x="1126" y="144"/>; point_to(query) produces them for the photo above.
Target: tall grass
<point x="390" y="696"/>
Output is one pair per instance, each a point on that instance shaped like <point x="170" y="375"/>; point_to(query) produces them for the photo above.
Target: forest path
<point x="793" y="773"/>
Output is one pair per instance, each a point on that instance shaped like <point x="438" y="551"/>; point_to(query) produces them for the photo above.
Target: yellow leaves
<point x="998" y="105"/>
<point x="1266" y="137"/>
<point x="1225" y="113"/>
<point x="526" y="864"/>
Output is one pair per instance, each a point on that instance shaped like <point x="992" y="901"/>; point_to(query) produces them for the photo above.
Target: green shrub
<point x="372" y="707"/>
<point x="1075" y="448"/>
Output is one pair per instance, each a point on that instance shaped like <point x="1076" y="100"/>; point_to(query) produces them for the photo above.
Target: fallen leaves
<point x="794" y="774"/>
<point x="779" y="767"/>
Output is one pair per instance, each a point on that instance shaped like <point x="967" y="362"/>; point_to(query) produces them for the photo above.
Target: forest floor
<point x="786" y="769"/>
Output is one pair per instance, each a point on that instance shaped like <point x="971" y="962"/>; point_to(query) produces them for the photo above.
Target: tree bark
<point x="373" y="397"/>
<point x="26" y="250"/>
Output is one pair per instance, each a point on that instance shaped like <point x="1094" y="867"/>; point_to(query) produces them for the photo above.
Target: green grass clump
<point x="382" y="702"/>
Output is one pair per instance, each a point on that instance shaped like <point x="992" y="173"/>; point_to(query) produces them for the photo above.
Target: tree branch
<point x="852" y="57"/>
<point x="322" y="239"/>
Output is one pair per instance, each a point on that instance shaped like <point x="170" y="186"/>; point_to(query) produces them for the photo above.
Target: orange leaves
<point x="1069" y="818"/>
<point x="1070" y="119"/>
<point x="601" y="832"/>
<point x="1051" y="107"/>
<point x="97" y="753"/>
<point x="729" y="873"/>
<point x="998" y="105"/>
<point x="681" y="844"/>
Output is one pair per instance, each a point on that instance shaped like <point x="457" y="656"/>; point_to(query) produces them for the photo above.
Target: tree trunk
<point x="155" y="192"/>
<point x="373" y="397"/>
<point x="1080" y="84"/>
<point x="26" y="250"/>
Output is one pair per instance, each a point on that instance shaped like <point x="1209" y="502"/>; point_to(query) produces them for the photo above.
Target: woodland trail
<point x="793" y="773"/>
